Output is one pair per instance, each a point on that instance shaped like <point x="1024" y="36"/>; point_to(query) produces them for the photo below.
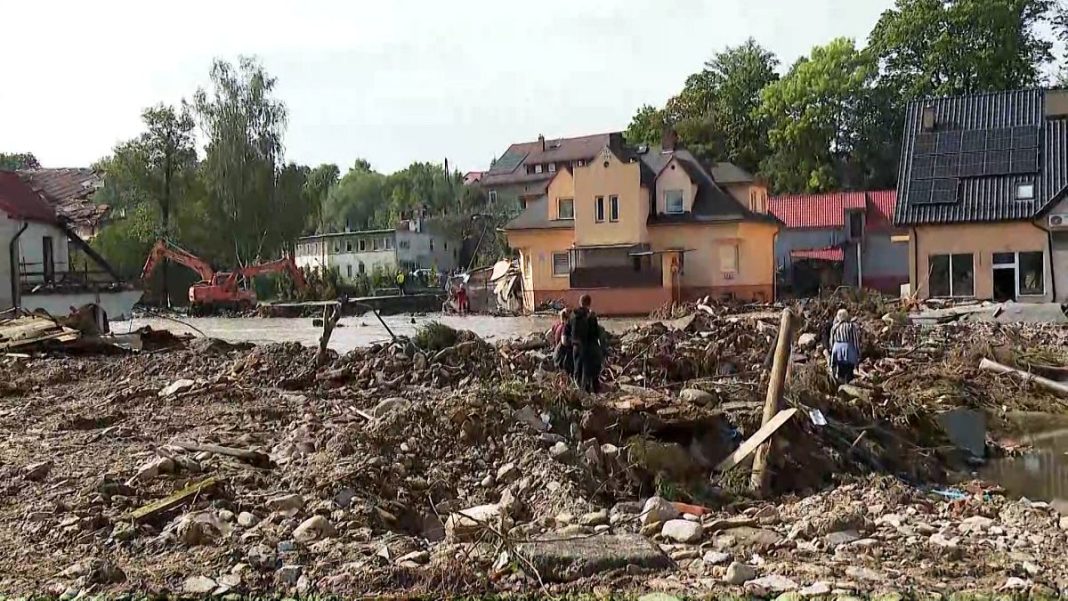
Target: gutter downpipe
<point x="13" y="257"/>
<point x="914" y="250"/>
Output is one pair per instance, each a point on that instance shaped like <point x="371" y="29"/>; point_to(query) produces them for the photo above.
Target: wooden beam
<point x="746" y="449"/>
<point x="254" y="457"/>
<point x="148" y="512"/>
<point x="1058" y="388"/>
<point x="777" y="380"/>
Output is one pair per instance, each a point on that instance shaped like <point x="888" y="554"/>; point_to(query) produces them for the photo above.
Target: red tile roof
<point x="831" y="253"/>
<point x="19" y="201"/>
<point x="801" y="211"/>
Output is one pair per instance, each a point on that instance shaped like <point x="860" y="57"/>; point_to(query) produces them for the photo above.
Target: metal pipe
<point x="13" y="257"/>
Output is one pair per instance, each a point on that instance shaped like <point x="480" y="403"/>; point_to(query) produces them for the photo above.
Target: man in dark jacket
<point x="586" y="342"/>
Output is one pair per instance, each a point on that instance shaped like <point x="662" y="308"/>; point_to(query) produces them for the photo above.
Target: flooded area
<point x="1040" y="475"/>
<point x="353" y="332"/>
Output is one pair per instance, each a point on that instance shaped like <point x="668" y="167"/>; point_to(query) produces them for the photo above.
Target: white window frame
<point x="538" y="168"/>
<point x="613" y="208"/>
<point x="559" y="213"/>
<point x="552" y="167"/>
<point x="736" y="258"/>
<point x="1015" y="266"/>
<point x="362" y="245"/>
<point x="566" y="273"/>
<point x="493" y="196"/>
<point x="667" y="202"/>
<point x="1025" y="191"/>
<point x="598" y="209"/>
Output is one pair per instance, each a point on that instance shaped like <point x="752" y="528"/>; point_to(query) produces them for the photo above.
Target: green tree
<point x="355" y="200"/>
<point x="646" y="126"/>
<point x="943" y="48"/>
<point x="17" y="161"/>
<point x="317" y="187"/>
<point x="738" y="75"/>
<point x="816" y="114"/>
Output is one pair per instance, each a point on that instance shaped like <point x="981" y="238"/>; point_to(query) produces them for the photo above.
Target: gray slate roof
<point x="536" y="217"/>
<point x="729" y="173"/>
<point x="990" y="198"/>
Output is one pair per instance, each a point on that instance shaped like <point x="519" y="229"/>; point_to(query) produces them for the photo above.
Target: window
<point x="362" y="245"/>
<point x="582" y="162"/>
<point x="493" y="196"/>
<point x="348" y="270"/>
<point x="951" y="275"/>
<point x="537" y="169"/>
<point x="431" y="245"/>
<point x="337" y="247"/>
<point x="613" y="208"/>
<point x="856" y="224"/>
<point x="565" y="208"/>
<point x="404" y="245"/>
<point x="728" y="258"/>
<point x="348" y="246"/>
<point x="1031" y="274"/>
<point x="552" y="167"/>
<point x="446" y="245"/>
<point x="1025" y="191"/>
<point x="389" y="243"/>
<point x="599" y="210"/>
<point x="374" y="244"/>
<point x="561" y="264"/>
<point x="673" y="202"/>
<point x="363" y="269"/>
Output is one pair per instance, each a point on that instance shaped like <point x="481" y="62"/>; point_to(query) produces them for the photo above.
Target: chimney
<point x="541" y="138"/>
<point x="669" y="139"/>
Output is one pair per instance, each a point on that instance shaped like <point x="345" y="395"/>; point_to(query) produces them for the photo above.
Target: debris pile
<point x="445" y="465"/>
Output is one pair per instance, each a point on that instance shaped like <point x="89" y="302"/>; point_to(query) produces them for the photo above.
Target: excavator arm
<point x="165" y="250"/>
<point x="280" y="265"/>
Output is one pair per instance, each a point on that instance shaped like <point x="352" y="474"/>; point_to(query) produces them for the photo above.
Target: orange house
<point x="639" y="228"/>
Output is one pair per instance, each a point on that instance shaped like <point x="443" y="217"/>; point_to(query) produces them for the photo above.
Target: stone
<point x="528" y="416"/>
<point x="739" y="573"/>
<point x="313" y="529"/>
<point x="695" y="395"/>
<point x="488" y="481"/>
<point x="344" y="498"/>
<point x="966" y="429"/>
<point x="415" y="557"/>
<point x="601" y="528"/>
<point x="651" y="529"/>
<point x="658" y="509"/>
<point x="716" y="558"/>
<point x="567" y="560"/>
<point x="230" y="580"/>
<point x="507" y="472"/>
<point x="548" y="439"/>
<point x="976" y="524"/>
<point x="563" y="519"/>
<point x="152" y="469"/>
<point x="247" y="520"/>
<point x="226" y="515"/>
<point x="1031" y="568"/>
<point x="287" y="546"/>
<point x="774" y="583"/>
<point x="937" y="539"/>
<point x="862" y="573"/>
<point x="198" y="585"/>
<point x="201" y="528"/>
<point x="658" y="597"/>
<point x="289" y="574"/>
<point x="1016" y="584"/>
<point x="816" y="589"/>
<point x="728" y="523"/>
<point x="682" y="531"/>
<point x="560" y="451"/>
<point x="842" y="537"/>
<point x="807" y="341"/>
<point x="757" y="538"/>
<point x="176" y="386"/>
<point x="685" y="553"/>
<point x="468" y="523"/>
<point x="1064" y="523"/>
<point x="594" y="518"/>
<point x="124" y="531"/>
<point x="390" y="405"/>
<point x="573" y="530"/>
<point x="35" y="472"/>
<point x="292" y="502"/>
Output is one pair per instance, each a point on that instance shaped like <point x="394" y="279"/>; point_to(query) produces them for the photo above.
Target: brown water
<point x="1041" y="475"/>
<point x="355" y="331"/>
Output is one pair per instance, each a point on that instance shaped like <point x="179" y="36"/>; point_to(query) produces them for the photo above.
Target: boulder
<point x="468" y="523"/>
<point x="292" y="502"/>
<point x="658" y="509"/>
<point x="567" y="560"/>
<point x="683" y="531"/>
<point x="390" y="405"/>
<point x="247" y="520"/>
<point x="198" y="585"/>
<point x="807" y="341"/>
<point x="313" y="529"/>
<point x="739" y="573"/>
<point x="696" y="395"/>
<point x="176" y="386"/>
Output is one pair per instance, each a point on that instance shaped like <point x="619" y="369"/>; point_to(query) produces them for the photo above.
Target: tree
<point x="646" y="126"/>
<point x="817" y="114"/>
<point x="944" y="48"/>
<point x="18" y="161"/>
<point x="354" y="201"/>
<point x="244" y="126"/>
<point x="317" y="187"/>
<point x="738" y="75"/>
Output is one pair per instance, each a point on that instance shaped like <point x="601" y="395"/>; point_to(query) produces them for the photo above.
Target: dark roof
<point x="510" y="168"/>
<point x="729" y="173"/>
<point x="536" y="217"/>
<point x="711" y="203"/>
<point x="19" y="201"/>
<point x="987" y="198"/>
<point x="70" y="192"/>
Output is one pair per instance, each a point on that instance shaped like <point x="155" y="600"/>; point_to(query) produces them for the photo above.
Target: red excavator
<point x="217" y="290"/>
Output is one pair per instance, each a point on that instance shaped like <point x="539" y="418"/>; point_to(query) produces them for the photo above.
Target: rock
<point x="548" y="439"/>
<point x="658" y="509"/>
<point x="528" y="416"/>
<point x="573" y="530"/>
<point x="95" y="571"/>
<point x="314" y="528"/>
<point x="816" y="589"/>
<point x="198" y="585"/>
<point x="774" y="583"/>
<point x="35" y="472"/>
<point x="508" y="504"/>
<point x="563" y="519"/>
<point x="806" y="341"/>
<point x="855" y="392"/>
<point x="201" y="528"/>
<point x="685" y="553"/>
<point x="862" y="573"/>
<point x="695" y="395"/>
<point x="1064" y="523"/>
<point x="287" y="546"/>
<point x="247" y="520"/>
<point x="1016" y="584"/>
<point x="658" y="597"/>
<point x="415" y="557"/>
<point x="560" y="452"/>
<point x="564" y="561"/>
<point x="938" y="540"/>
<point x="152" y="469"/>
<point x="757" y="538"/>
<point x="488" y="481"/>
<point x="729" y="523"/>
<point x="716" y="558"/>
<point x="390" y="405"/>
<point x="594" y="518"/>
<point x="601" y="528"/>
<point x="176" y="386"/>
<point x="292" y="503"/>
<point x="976" y="524"/>
<point x="842" y="537"/>
<point x="651" y="529"/>
<point x="682" y="531"/>
<point x="124" y="531"/>
<point x="230" y="580"/>
<point x="507" y="472"/>
<point x="343" y="499"/>
<point x="1031" y="568"/>
<point x="289" y="574"/>
<point x="468" y="523"/>
<point x="739" y="573"/>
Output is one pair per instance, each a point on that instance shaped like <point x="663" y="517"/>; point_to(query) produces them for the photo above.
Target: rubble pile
<point x="447" y="465"/>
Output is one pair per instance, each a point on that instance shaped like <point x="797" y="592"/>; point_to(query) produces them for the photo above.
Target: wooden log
<point x="330" y="319"/>
<point x="254" y="457"/>
<point x="759" y="479"/>
<point x="759" y="437"/>
<point x="150" y="511"/>
<point x="1058" y="388"/>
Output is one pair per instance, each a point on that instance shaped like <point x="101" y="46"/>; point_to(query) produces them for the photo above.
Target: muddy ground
<point x="445" y="465"/>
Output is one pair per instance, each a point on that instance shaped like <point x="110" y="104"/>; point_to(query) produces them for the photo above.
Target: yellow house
<point x="639" y="228"/>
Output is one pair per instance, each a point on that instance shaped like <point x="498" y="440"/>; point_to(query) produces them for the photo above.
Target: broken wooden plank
<point x="254" y="457"/>
<point x="756" y="440"/>
<point x="147" y="512"/>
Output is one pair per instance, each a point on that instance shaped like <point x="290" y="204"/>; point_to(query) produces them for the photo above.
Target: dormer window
<point x="537" y="168"/>
<point x="552" y="167"/>
<point x="673" y="204"/>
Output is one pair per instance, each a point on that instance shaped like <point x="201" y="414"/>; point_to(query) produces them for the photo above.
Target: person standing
<point x="586" y="345"/>
<point x="400" y="282"/>
<point x="845" y="346"/>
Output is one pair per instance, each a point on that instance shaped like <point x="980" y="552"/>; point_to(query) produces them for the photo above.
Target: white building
<point x="414" y="244"/>
<point x="37" y="270"/>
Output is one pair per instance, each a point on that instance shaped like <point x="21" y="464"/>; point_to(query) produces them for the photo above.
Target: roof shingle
<point x="19" y="201"/>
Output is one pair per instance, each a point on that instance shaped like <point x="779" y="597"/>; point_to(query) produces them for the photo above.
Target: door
<point x="48" y="258"/>
<point x="1004" y="277"/>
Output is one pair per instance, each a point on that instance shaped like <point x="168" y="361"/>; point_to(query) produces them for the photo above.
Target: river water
<point x="354" y="331"/>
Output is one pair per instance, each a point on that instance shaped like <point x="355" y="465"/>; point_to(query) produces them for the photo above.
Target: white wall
<point x="415" y="248"/>
<point x="31" y="250"/>
<point x="386" y="260"/>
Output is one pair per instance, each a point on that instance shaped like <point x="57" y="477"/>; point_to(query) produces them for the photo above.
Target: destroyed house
<point x="982" y="195"/>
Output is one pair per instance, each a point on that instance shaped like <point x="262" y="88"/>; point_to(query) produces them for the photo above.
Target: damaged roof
<point x="69" y="191"/>
<point x="19" y="201"/>
<point x="510" y="168"/>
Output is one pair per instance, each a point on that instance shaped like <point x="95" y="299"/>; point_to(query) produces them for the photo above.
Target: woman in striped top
<point x="845" y="346"/>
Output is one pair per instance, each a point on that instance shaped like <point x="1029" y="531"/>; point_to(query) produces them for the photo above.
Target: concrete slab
<point x="572" y="558"/>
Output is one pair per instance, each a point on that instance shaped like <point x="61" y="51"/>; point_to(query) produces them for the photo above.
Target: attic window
<point x="1025" y="191"/>
<point x="552" y="167"/>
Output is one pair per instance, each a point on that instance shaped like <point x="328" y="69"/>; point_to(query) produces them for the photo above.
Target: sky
<point x="390" y="81"/>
